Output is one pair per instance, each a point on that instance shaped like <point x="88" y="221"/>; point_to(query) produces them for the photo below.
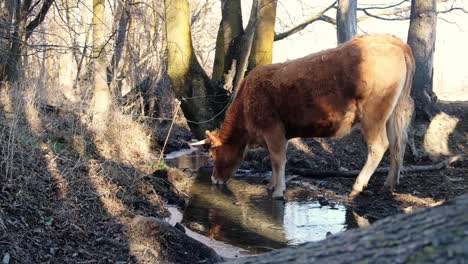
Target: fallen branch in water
<point x="311" y="173"/>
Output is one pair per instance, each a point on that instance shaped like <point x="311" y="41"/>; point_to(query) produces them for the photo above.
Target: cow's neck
<point x="233" y="131"/>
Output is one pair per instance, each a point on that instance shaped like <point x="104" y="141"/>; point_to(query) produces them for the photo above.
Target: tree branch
<point x="387" y="11"/>
<point x="317" y="17"/>
<point x="381" y="15"/>
<point x="381" y="7"/>
<point x="39" y="18"/>
<point x="247" y="42"/>
<point x="453" y="9"/>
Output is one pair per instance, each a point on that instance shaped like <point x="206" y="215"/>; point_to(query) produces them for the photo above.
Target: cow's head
<point x="227" y="156"/>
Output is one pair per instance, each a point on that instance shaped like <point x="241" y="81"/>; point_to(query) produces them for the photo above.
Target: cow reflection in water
<point x="243" y="217"/>
<point x="242" y="214"/>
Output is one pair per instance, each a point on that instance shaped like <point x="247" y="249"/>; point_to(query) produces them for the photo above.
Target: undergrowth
<point x="67" y="190"/>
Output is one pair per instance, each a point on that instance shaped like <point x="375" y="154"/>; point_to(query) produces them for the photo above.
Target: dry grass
<point x="69" y="190"/>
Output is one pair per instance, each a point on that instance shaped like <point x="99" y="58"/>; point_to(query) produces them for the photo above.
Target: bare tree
<point x="17" y="27"/>
<point x="102" y="98"/>
<point x="229" y="37"/>
<point x="203" y="99"/>
<point x="346" y="23"/>
<point x="262" y="47"/>
<point x="202" y="102"/>
<point x="421" y="38"/>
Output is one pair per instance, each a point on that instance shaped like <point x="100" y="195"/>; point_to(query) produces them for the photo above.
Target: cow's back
<point x="313" y="96"/>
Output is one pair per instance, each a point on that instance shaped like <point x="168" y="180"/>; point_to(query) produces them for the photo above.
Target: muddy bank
<point x="157" y="240"/>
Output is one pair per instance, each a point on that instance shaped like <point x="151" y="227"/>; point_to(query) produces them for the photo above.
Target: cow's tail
<point x="398" y="124"/>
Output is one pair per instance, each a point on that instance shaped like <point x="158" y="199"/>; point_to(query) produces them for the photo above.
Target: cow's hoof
<point x="217" y="181"/>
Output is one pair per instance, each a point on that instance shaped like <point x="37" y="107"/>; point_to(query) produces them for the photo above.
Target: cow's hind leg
<point x="276" y="143"/>
<point x="397" y="127"/>
<point x="377" y="143"/>
<point x="397" y="147"/>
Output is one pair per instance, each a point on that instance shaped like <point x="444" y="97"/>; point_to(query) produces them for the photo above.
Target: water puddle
<point x="186" y="159"/>
<point x="247" y="221"/>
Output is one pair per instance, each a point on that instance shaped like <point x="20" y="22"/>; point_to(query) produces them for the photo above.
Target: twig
<point x="317" y="17"/>
<point x="311" y="173"/>
<point x="169" y="132"/>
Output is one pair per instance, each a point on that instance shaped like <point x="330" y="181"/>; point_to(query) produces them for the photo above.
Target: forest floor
<point x="63" y="199"/>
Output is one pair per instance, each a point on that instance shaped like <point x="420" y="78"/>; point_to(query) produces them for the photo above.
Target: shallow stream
<point x="241" y="218"/>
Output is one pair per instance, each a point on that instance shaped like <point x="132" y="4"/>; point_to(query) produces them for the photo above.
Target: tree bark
<point x="228" y="40"/>
<point x="18" y="30"/>
<point x="102" y="98"/>
<point x="13" y="60"/>
<point x="202" y="103"/>
<point x="421" y="38"/>
<point x="123" y="16"/>
<point x="262" y="48"/>
<point x="247" y="45"/>
<point x="5" y="18"/>
<point x="432" y="235"/>
<point x="346" y="22"/>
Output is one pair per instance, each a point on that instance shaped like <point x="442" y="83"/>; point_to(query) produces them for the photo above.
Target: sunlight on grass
<point x="436" y="139"/>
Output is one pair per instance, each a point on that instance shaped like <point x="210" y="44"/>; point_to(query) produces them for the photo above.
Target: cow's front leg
<point x="279" y="166"/>
<point x="272" y="183"/>
<point x="217" y="181"/>
<point x="276" y="143"/>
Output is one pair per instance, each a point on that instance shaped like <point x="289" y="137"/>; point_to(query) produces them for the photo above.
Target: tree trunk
<point x="346" y="22"/>
<point x="202" y="103"/>
<point x="5" y="17"/>
<point x="127" y="76"/>
<point x="13" y="60"/>
<point x="228" y="40"/>
<point x="262" y="49"/>
<point x="421" y="38"/>
<point x="247" y="45"/>
<point x="433" y="235"/>
<point x="102" y="98"/>
<point x="17" y="32"/>
<point x="122" y="14"/>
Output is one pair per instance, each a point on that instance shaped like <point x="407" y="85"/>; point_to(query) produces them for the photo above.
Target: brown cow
<point x="366" y="80"/>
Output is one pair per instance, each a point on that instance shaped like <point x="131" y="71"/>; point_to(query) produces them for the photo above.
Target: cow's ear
<point x="214" y="138"/>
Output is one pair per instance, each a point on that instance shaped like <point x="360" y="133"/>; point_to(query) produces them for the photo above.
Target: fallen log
<point x="311" y="173"/>
<point x="432" y="235"/>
